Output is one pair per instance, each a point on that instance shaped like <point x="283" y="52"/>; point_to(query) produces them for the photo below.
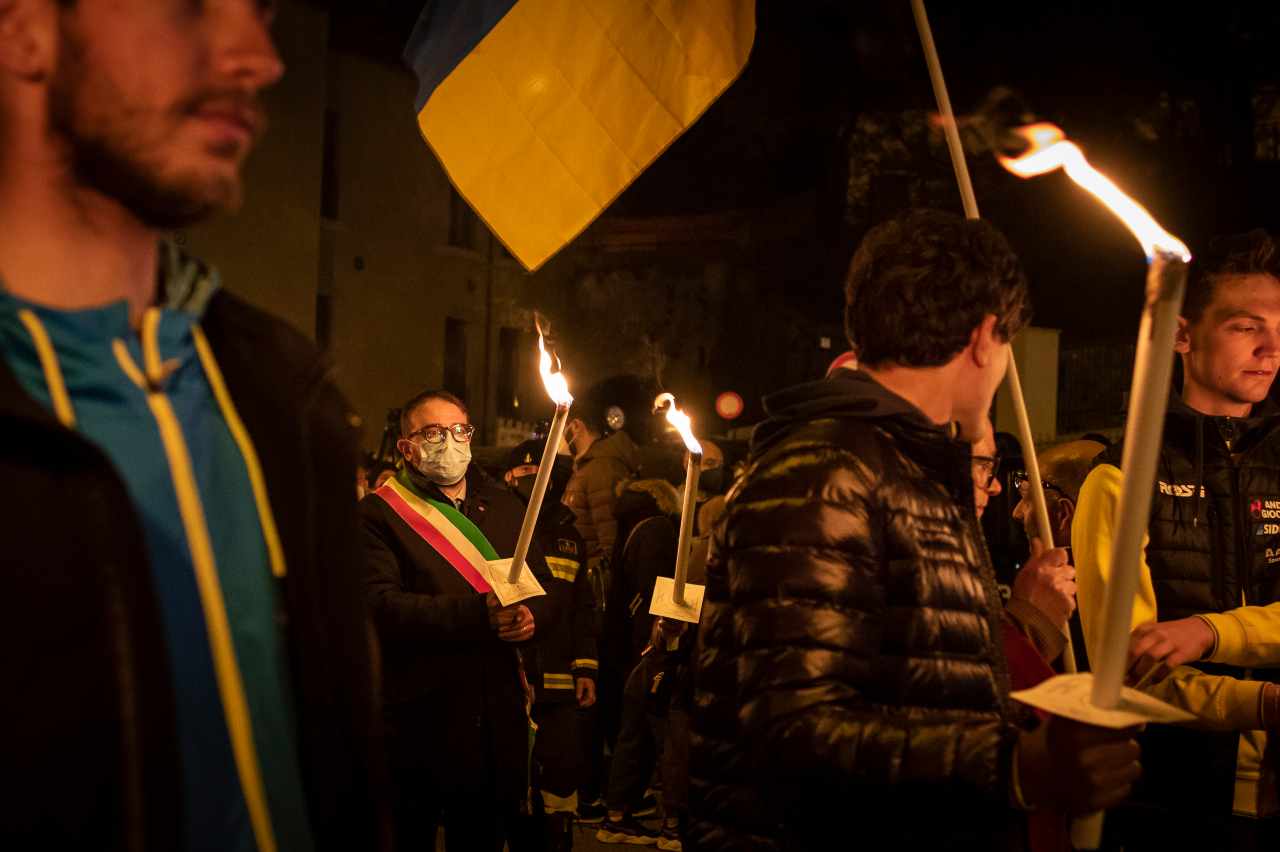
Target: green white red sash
<point x="449" y="532"/>
<point x="452" y="535"/>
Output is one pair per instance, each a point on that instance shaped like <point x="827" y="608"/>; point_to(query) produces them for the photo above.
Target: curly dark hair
<point x="919" y="284"/>
<point x="1251" y="253"/>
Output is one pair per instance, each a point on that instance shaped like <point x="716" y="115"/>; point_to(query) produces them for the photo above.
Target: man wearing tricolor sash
<point x="456" y="699"/>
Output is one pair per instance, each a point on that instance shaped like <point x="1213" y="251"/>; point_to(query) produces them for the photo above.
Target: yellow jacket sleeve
<point x="1221" y="703"/>
<point x="1248" y="636"/>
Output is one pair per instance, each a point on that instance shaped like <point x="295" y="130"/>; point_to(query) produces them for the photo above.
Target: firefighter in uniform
<point x="564" y="667"/>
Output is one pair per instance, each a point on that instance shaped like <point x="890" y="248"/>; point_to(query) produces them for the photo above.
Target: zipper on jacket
<point x="1218" y="558"/>
<point x="999" y="664"/>
<point x="1246" y="556"/>
<point x="226" y="670"/>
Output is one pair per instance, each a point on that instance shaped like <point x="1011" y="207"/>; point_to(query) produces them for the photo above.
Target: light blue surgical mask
<point x="445" y="463"/>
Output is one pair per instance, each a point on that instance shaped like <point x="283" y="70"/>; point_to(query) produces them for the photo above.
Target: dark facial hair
<point x="111" y="155"/>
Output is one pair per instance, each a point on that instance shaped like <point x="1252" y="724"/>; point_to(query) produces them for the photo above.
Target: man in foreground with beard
<point x="850" y="683"/>
<point x="186" y="651"/>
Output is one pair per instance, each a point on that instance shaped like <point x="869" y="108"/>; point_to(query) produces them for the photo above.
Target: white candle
<point x="1144" y="428"/>
<point x="1148" y="401"/>
<point x="558" y="423"/>
<point x="1034" y="483"/>
<point x="693" y="463"/>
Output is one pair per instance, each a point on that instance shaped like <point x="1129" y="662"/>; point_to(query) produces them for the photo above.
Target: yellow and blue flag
<point x="543" y="111"/>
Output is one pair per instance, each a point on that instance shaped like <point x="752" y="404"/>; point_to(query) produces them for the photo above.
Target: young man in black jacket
<point x="456" y="695"/>
<point x="186" y="652"/>
<point x="850" y="681"/>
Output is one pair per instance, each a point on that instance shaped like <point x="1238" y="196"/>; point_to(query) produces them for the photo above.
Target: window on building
<point x="463" y="222"/>
<point x="329" y="167"/>
<point x="455" y="357"/>
<point x="1266" y="123"/>
<point x="508" y="377"/>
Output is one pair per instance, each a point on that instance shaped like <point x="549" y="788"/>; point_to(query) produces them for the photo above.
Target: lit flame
<point x="552" y="376"/>
<point x="1050" y="150"/>
<point x="679" y="420"/>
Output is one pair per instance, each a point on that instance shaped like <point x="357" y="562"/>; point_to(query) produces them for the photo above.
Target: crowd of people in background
<point x="856" y="639"/>
<point x="600" y="687"/>
<point x="209" y="645"/>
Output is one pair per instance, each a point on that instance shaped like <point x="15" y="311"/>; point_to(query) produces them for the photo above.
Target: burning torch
<point x="1167" y="260"/>
<point x="1099" y="698"/>
<point x="676" y="598"/>
<point x="558" y="389"/>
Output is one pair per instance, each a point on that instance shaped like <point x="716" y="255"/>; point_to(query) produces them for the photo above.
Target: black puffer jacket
<point x="849" y="671"/>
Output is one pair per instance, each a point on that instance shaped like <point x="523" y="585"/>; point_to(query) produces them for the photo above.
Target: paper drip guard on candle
<point x="526" y="586"/>
<point x="1071" y="696"/>
<point x="664" y="600"/>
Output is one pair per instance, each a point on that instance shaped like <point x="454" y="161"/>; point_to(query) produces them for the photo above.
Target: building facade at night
<point x="363" y="244"/>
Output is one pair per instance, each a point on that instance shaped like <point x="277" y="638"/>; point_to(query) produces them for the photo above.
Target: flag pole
<point x="1025" y="437"/>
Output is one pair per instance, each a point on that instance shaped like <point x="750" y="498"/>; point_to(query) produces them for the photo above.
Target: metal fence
<point x="1093" y="386"/>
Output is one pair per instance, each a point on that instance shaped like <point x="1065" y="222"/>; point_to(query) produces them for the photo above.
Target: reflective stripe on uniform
<point x="557" y="681"/>
<point x="585" y="663"/>
<point x="563" y="569"/>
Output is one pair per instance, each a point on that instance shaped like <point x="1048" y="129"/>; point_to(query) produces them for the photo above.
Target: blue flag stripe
<point x="447" y="30"/>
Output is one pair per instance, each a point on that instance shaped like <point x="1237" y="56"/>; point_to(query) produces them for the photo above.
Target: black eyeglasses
<point x="1022" y="482"/>
<point x="433" y="433"/>
<point x="984" y="471"/>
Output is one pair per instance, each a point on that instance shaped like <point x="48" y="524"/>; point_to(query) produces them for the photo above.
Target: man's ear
<point x="1063" y="513"/>
<point x="28" y="38"/>
<point x="984" y="343"/>
<point x="1182" y="337"/>
<point x="405" y="446"/>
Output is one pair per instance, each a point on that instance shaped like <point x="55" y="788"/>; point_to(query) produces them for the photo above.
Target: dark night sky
<point x="780" y="132"/>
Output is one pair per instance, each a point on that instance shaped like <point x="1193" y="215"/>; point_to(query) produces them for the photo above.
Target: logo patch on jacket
<point x="1265" y="513"/>
<point x="1273" y="555"/>
<point x="567" y="545"/>
<point x="1265" y="509"/>
<point x="1179" y="489"/>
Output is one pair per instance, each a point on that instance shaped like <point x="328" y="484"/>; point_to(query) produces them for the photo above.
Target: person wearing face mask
<point x="599" y="436"/>
<point x="456" y="697"/>
<point x="564" y="665"/>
